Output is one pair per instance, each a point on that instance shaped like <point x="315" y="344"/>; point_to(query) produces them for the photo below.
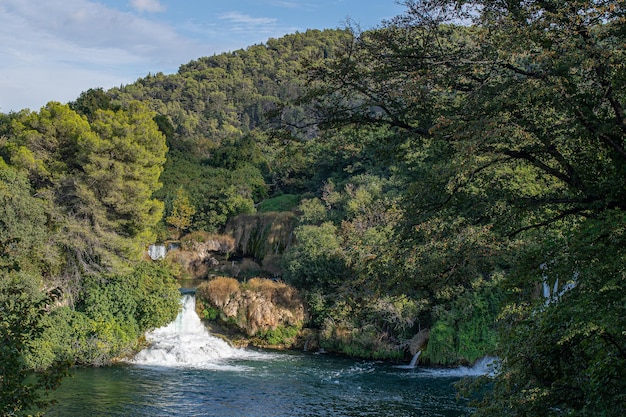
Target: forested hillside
<point x="452" y="181"/>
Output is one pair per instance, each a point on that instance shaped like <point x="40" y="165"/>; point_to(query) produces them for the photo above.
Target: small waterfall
<point x="187" y="343"/>
<point x="413" y="362"/>
<point x="157" y="252"/>
<point x="488" y="365"/>
<point x="414" y="359"/>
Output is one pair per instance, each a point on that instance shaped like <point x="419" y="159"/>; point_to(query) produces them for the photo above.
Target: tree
<point x="317" y="260"/>
<point x="513" y="126"/>
<point x="92" y="100"/>
<point x="182" y="212"/>
<point x="22" y="224"/>
<point x="23" y="311"/>
<point x="122" y="169"/>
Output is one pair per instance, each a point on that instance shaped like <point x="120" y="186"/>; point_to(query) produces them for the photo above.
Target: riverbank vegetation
<point x="460" y="169"/>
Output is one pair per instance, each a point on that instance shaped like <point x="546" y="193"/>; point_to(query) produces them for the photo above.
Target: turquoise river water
<point x="188" y="372"/>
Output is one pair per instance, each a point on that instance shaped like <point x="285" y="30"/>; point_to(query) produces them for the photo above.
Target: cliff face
<point x="271" y="312"/>
<point x="263" y="237"/>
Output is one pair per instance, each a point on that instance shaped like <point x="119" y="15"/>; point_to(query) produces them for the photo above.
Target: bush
<point x="210" y="313"/>
<point x="316" y="261"/>
<point x="281" y="335"/>
<point x="23" y="319"/>
<point x="285" y="202"/>
<point x="218" y="291"/>
<point x="278" y="293"/>
<point x="466" y="331"/>
<point x="112" y="313"/>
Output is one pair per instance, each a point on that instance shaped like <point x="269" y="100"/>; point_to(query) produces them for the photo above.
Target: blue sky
<point x="55" y="49"/>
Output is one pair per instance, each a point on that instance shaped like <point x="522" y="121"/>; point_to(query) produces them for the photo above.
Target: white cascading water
<point x="485" y="366"/>
<point x="413" y="363"/>
<point x="187" y="343"/>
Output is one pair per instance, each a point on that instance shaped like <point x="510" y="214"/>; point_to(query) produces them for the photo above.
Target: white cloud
<point x="237" y="17"/>
<point x="49" y="48"/>
<point x="286" y="4"/>
<point x="240" y="22"/>
<point x="152" y="6"/>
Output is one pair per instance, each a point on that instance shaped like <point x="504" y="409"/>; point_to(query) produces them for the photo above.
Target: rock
<point x="258" y="306"/>
<point x="419" y="341"/>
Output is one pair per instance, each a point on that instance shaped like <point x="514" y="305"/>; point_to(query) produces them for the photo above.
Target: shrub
<point x="218" y="291"/>
<point x="281" y="335"/>
<point x="278" y="293"/>
<point x="466" y="331"/>
<point x="112" y="313"/>
<point x="285" y="202"/>
<point x="210" y="313"/>
<point x="316" y="261"/>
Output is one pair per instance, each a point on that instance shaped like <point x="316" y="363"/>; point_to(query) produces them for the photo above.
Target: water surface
<point x="285" y="385"/>
<point x="188" y="372"/>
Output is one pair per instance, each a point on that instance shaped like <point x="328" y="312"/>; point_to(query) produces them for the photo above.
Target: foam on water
<point x="187" y="343"/>
<point x="485" y="366"/>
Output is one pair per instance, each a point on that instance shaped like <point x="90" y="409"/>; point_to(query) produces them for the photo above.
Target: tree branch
<point x="541" y="165"/>
<point x="570" y="212"/>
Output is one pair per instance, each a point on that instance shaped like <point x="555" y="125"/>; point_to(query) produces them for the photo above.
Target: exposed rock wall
<point x="254" y="307"/>
<point x="419" y="341"/>
<point x="262" y="236"/>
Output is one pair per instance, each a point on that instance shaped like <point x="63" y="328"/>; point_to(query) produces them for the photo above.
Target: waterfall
<point x="413" y="362"/>
<point x="187" y="343"/>
<point x="157" y="252"/>
<point x="414" y="359"/>
<point x="488" y="365"/>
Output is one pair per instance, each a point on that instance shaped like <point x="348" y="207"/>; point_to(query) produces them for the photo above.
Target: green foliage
<point x="284" y="202"/>
<point x="467" y="330"/>
<point x="112" y="313"/>
<point x="396" y="315"/>
<point x="312" y="211"/>
<point x="95" y="179"/>
<point x="316" y="261"/>
<point x="566" y="352"/>
<point x="24" y="311"/>
<point x="182" y="212"/>
<point x="158" y="296"/>
<point x="445" y="153"/>
<point x="92" y="100"/>
<point x="123" y="170"/>
<point x="22" y="223"/>
<point x="281" y="335"/>
<point x="216" y="193"/>
<point x="210" y="313"/>
<point x="509" y="137"/>
<point x="214" y="112"/>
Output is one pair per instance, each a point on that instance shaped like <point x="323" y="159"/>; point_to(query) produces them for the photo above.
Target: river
<point x="188" y="372"/>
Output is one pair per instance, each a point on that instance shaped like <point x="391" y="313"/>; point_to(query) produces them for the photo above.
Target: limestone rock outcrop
<point x="255" y="306"/>
<point x="419" y="341"/>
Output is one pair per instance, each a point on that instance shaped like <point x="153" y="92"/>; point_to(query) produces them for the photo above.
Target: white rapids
<point x="186" y="342"/>
<point x="488" y="365"/>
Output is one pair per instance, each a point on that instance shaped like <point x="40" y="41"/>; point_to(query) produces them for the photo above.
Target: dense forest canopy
<point x="511" y="132"/>
<point x="457" y="173"/>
